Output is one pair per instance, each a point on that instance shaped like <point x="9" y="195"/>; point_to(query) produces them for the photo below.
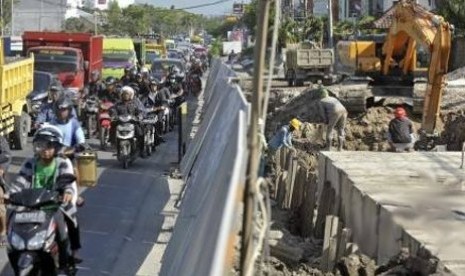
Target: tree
<point x="453" y="12"/>
<point x="77" y="25"/>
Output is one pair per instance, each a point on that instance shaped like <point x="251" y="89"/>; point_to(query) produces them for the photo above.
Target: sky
<point x="219" y="9"/>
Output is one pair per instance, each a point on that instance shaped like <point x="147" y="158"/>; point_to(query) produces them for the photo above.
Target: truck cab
<point x="118" y="53"/>
<point x="66" y="63"/>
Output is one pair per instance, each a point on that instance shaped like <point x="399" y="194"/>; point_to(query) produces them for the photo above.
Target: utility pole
<point x="1" y="15"/>
<point x="12" y="20"/>
<point x="330" y="25"/>
<point x="250" y="193"/>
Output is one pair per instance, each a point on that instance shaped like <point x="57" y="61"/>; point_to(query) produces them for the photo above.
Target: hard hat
<point x="400" y="112"/>
<point x="295" y="123"/>
<point x="128" y="90"/>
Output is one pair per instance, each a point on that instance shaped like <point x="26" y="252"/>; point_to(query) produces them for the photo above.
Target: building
<point x="37" y="15"/>
<point x="349" y="9"/>
<point x="103" y="4"/>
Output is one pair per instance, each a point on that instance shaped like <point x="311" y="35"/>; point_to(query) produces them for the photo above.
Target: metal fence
<point x="214" y="170"/>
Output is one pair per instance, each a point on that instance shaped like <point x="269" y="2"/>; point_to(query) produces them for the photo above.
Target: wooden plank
<point x="274" y="195"/>
<point x="325" y="208"/>
<point x="328" y="259"/>
<point x="281" y="192"/>
<point x="343" y="242"/>
<point x="298" y="192"/>
<point x="291" y="178"/>
<point x="308" y="205"/>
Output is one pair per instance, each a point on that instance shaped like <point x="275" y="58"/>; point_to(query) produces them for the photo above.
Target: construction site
<point x="366" y="210"/>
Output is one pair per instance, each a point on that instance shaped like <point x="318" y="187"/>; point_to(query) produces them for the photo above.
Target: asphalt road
<point x="127" y="219"/>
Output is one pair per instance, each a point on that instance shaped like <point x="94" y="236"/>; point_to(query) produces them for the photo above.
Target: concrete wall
<point x="392" y="201"/>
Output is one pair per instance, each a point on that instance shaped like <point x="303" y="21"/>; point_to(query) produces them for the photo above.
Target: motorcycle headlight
<point x="37" y="241"/>
<point x="17" y="242"/>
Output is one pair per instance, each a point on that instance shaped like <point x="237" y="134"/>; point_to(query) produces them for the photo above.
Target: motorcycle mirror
<point x="4" y="158"/>
<point x="64" y="180"/>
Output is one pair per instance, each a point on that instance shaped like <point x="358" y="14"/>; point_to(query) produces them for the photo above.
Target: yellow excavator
<point x="417" y="45"/>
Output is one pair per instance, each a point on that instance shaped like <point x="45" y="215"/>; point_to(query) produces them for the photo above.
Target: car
<point x="160" y="67"/>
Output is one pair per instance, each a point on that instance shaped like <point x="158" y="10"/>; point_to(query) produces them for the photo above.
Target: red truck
<point x="69" y="56"/>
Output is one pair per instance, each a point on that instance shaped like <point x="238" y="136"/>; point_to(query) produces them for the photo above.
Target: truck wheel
<point x="20" y="132"/>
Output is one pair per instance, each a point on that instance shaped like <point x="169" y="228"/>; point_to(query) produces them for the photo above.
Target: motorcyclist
<point x="157" y="101"/>
<point x="128" y="105"/>
<point x="95" y="85"/>
<point x="42" y="171"/>
<point x="73" y="140"/>
<point x="109" y="94"/>
<point x="48" y="111"/>
<point x="144" y="81"/>
<point x="175" y="85"/>
<point x="127" y="77"/>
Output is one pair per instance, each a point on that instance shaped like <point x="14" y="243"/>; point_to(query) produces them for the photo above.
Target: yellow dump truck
<point x="16" y="82"/>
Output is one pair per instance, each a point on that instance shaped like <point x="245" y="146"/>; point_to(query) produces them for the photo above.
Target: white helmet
<point x="129" y="90"/>
<point x="50" y="134"/>
<point x="144" y="70"/>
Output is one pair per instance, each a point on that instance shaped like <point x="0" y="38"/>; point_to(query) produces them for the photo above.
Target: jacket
<point x="282" y="138"/>
<point x="133" y="108"/>
<point x="25" y="180"/>
<point x="400" y="130"/>
<point x="329" y="107"/>
<point x="73" y="134"/>
<point x="48" y="113"/>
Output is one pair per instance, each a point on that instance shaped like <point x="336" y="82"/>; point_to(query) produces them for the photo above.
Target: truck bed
<point x="310" y="58"/>
<point x="16" y="79"/>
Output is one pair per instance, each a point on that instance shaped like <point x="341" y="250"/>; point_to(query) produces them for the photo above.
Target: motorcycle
<point x="195" y="84"/>
<point x="126" y="140"/>
<point x="150" y="132"/>
<point x="91" y="108"/>
<point x="104" y="123"/>
<point x="32" y="248"/>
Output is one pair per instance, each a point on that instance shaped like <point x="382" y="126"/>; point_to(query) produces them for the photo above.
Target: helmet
<point x="144" y="70"/>
<point x="154" y="81"/>
<point x="110" y="80"/>
<point x="128" y="90"/>
<point x="295" y="123"/>
<point x="400" y="112"/>
<point x="64" y="103"/>
<point x="138" y="76"/>
<point x="55" y="87"/>
<point x="49" y="134"/>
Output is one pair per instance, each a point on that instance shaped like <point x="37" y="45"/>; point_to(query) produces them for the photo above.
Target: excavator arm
<point x="412" y="24"/>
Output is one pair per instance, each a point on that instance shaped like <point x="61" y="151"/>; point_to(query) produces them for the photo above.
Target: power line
<point x="204" y="5"/>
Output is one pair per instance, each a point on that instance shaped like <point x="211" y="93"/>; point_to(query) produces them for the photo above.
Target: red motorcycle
<point x="104" y="121"/>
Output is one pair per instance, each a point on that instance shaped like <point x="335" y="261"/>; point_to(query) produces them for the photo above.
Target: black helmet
<point x="138" y="76"/>
<point x="154" y="81"/>
<point x="64" y="103"/>
<point x="110" y="80"/>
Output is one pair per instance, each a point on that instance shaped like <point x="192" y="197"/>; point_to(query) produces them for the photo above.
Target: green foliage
<point x="77" y="25"/>
<point x="453" y="12"/>
<point x="143" y="18"/>
<point x="215" y="49"/>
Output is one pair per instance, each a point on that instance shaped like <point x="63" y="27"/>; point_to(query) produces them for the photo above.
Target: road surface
<point x="127" y="219"/>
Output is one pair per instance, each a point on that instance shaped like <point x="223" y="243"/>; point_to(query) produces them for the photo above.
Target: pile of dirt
<point x="456" y="74"/>
<point x="364" y="132"/>
<point x="453" y="134"/>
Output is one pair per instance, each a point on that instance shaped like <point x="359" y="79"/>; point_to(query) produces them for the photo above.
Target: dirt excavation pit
<point x="364" y="132"/>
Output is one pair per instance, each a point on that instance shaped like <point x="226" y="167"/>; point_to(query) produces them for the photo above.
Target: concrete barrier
<point x="214" y="170"/>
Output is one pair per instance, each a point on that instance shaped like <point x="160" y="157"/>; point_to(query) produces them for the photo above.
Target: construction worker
<point x="334" y="115"/>
<point x="284" y="136"/>
<point x="400" y="134"/>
